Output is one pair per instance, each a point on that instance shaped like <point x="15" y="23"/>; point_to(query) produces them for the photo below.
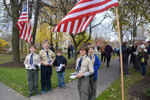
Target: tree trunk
<point x="75" y="53"/>
<point x="36" y="20"/>
<point x="134" y="29"/>
<point x="15" y="32"/>
<point x="57" y="37"/>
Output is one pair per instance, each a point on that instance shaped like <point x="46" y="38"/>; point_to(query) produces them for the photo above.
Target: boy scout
<point x="93" y="77"/>
<point x="47" y="59"/>
<point x="32" y="62"/>
<point x="84" y="68"/>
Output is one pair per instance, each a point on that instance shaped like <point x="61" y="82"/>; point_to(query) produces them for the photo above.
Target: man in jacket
<point x="125" y="54"/>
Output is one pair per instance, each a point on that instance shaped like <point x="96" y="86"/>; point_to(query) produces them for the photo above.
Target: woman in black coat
<point x="69" y="50"/>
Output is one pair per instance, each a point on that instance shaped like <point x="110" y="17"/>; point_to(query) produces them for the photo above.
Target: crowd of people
<point x="139" y="55"/>
<point x="87" y="66"/>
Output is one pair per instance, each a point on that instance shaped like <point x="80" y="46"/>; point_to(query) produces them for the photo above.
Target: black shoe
<point x="30" y="95"/>
<point x="38" y="93"/>
<point x="107" y="66"/>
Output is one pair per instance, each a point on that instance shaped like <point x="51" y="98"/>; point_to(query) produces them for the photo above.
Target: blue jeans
<point x="72" y="53"/>
<point x="143" y="69"/>
<point x="61" y="79"/>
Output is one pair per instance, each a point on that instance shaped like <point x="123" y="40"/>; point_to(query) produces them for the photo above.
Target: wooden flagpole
<point x="27" y="26"/>
<point x="121" y="61"/>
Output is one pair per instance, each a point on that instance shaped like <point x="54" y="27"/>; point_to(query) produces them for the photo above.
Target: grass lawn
<point x="71" y="60"/>
<point x="113" y="92"/>
<point x="8" y="58"/>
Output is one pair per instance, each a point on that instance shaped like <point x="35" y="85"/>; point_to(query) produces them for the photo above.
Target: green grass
<point x="16" y="78"/>
<point x="71" y="60"/>
<point x="113" y="92"/>
<point x="8" y="58"/>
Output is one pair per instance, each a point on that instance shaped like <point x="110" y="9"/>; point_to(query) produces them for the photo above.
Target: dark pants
<point x="103" y="56"/>
<point x="33" y="78"/>
<point x="69" y="55"/>
<point x="83" y="87"/>
<point x="125" y="65"/>
<point x="46" y="73"/>
<point x="93" y="86"/>
<point x="143" y="69"/>
<point x="133" y="59"/>
<point x="137" y="63"/>
<point x="108" y="61"/>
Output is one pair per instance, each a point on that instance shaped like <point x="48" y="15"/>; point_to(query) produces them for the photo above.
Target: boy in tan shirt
<point x="47" y="57"/>
<point x="84" y="69"/>
<point x="32" y="62"/>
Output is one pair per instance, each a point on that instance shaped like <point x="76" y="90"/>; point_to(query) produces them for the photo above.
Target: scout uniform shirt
<point x="36" y="60"/>
<point x="86" y="65"/>
<point x="44" y="57"/>
<point x="92" y="57"/>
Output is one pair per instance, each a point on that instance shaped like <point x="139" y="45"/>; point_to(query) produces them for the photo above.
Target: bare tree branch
<point x="6" y="8"/>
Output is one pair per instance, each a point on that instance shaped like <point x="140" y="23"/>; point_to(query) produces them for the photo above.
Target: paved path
<point x="106" y="76"/>
<point x="7" y="93"/>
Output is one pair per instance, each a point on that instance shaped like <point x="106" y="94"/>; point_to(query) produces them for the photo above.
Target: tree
<point x="37" y="11"/>
<point x="132" y="14"/>
<point x="14" y="8"/>
<point x="13" y="12"/>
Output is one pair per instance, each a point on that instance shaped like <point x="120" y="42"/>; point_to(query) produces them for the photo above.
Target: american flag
<point x="82" y="14"/>
<point x="22" y="25"/>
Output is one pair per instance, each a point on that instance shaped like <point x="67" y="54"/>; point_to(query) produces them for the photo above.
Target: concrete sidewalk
<point x="106" y="76"/>
<point x="7" y="93"/>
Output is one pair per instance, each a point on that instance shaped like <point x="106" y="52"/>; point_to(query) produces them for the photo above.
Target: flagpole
<point x="27" y="26"/>
<point x="119" y="36"/>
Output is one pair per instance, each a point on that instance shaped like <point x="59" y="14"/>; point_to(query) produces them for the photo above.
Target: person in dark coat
<point x="133" y="49"/>
<point x="69" y="50"/>
<point x="125" y="54"/>
<point x="108" y="50"/>
<point x="52" y="47"/>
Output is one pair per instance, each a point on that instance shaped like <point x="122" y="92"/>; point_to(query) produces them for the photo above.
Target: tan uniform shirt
<point x="93" y="59"/>
<point x="43" y="55"/>
<point x="86" y="65"/>
<point x="36" y="60"/>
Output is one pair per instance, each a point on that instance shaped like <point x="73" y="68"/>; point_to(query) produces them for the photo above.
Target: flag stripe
<point x="82" y="14"/>
<point x="22" y="25"/>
